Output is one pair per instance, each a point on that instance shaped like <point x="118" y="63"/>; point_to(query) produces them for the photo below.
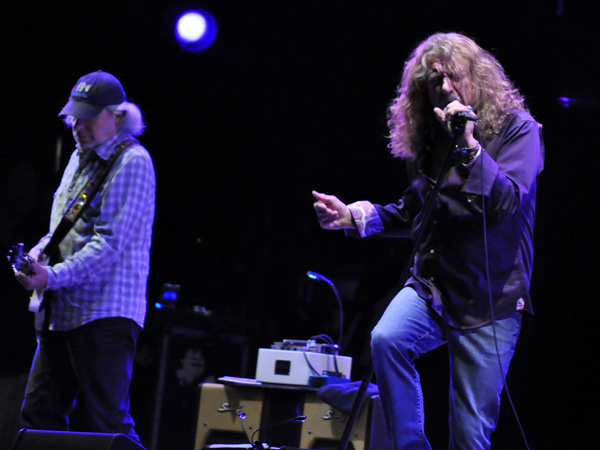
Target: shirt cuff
<point x="366" y="218"/>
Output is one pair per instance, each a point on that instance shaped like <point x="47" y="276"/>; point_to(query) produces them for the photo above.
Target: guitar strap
<point x="76" y="208"/>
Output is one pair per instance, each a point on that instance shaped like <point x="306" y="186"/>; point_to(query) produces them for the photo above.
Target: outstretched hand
<point x="331" y="212"/>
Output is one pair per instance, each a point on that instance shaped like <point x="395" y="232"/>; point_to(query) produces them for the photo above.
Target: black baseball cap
<point x="91" y="94"/>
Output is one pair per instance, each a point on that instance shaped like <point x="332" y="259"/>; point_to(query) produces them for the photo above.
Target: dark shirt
<point x="450" y="265"/>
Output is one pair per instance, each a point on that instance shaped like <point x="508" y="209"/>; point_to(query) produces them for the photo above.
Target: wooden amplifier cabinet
<point x="219" y="414"/>
<point x="270" y="406"/>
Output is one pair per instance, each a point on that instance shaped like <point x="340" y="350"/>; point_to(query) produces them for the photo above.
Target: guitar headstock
<point x="20" y="261"/>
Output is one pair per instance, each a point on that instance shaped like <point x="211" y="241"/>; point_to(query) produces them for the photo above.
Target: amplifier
<point x="231" y="414"/>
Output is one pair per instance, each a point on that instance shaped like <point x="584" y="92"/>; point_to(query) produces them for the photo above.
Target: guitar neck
<point x="20" y="261"/>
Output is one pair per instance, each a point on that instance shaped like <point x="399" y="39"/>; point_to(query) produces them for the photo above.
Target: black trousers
<point x="89" y="366"/>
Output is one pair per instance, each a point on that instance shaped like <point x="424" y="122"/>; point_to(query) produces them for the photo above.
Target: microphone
<point x="459" y="120"/>
<point x="465" y="116"/>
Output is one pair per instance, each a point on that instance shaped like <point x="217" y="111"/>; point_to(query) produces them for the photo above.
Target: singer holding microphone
<point x="469" y="280"/>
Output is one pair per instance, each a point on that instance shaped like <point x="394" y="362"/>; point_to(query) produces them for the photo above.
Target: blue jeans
<point x="90" y="365"/>
<point x="409" y="328"/>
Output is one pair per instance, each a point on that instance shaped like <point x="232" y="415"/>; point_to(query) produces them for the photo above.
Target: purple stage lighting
<point x="579" y="102"/>
<point x="195" y="30"/>
<point x="565" y="101"/>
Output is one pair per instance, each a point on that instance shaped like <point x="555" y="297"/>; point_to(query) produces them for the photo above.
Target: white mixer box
<point x="296" y="367"/>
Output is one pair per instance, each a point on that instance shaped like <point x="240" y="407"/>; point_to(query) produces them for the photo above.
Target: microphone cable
<point x="490" y="297"/>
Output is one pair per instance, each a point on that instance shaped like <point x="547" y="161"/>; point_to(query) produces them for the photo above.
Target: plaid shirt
<point x="105" y="256"/>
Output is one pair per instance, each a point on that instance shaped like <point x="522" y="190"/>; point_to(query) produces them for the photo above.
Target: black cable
<point x="310" y="366"/>
<point x="426" y="214"/>
<point x="330" y="341"/>
<point x="297" y="419"/>
<point x="323" y="337"/>
<point x="491" y="303"/>
<point x="242" y="416"/>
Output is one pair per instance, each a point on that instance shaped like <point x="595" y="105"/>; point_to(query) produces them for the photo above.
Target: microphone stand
<point x="458" y="127"/>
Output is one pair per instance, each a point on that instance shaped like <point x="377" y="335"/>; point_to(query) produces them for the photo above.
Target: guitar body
<point x="22" y="262"/>
<point x="35" y="303"/>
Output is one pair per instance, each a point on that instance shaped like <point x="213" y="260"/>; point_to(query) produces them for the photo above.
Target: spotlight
<point x="195" y="30"/>
<point x="169" y="294"/>
<point x="565" y="101"/>
<point x="580" y="102"/>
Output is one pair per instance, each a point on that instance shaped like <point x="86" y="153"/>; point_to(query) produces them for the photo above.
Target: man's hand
<point x="37" y="280"/>
<point x="444" y="116"/>
<point x="331" y="212"/>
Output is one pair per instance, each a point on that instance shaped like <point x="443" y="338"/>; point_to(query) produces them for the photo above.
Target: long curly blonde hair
<point x="410" y="115"/>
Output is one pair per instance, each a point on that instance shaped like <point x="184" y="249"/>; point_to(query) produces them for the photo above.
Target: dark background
<point x="292" y="97"/>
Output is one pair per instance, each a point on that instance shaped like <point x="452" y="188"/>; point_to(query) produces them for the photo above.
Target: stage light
<point x="195" y="30"/>
<point x="168" y="296"/>
<point x="565" y="101"/>
<point x="317" y="276"/>
<point x="579" y="102"/>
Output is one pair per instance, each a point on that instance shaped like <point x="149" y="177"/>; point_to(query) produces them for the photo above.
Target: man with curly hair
<point x="470" y="278"/>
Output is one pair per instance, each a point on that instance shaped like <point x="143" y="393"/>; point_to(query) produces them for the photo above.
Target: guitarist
<point x="96" y="278"/>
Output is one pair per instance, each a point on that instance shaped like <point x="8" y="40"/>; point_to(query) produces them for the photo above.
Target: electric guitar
<point x="23" y="262"/>
<point x="20" y="262"/>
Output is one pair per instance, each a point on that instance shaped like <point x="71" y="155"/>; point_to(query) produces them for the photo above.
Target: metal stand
<point x="360" y="396"/>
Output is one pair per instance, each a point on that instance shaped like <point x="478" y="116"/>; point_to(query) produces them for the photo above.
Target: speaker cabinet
<point x="324" y="426"/>
<point x="176" y="352"/>
<point x="219" y="414"/>
<point x="67" y="440"/>
<point x="270" y="407"/>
